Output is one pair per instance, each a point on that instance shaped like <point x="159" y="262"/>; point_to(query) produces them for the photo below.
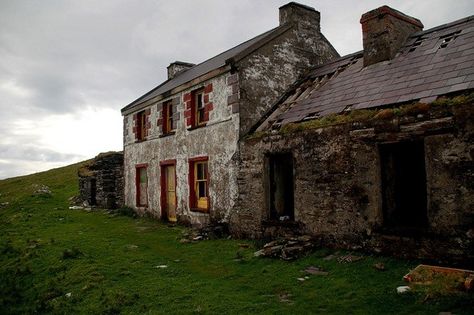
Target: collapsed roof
<point x="431" y="63"/>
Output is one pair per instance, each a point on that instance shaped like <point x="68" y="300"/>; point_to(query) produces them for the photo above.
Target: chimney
<point x="298" y="13"/>
<point x="178" y="67"/>
<point x="384" y="31"/>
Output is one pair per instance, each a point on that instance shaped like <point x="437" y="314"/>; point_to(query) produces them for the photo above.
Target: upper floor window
<point x="141" y="125"/>
<point x="199" y="112"/>
<point x="198" y="106"/>
<point x="169" y="125"/>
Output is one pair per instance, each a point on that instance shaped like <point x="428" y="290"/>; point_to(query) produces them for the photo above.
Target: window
<point x="199" y="184"/>
<point x="141" y="126"/>
<point x="168" y="121"/>
<point x="199" y="111"/>
<point x="141" y="185"/>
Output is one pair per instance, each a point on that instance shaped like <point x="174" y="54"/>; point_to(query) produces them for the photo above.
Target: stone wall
<point x="337" y="184"/>
<point x="267" y="73"/>
<point x="101" y="181"/>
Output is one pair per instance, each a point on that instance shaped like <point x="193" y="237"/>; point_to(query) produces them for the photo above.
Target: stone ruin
<point x="101" y="181"/>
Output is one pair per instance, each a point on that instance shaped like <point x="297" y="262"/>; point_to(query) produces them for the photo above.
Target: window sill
<point x="205" y="211"/>
<point x="197" y="127"/>
<point x="172" y="133"/>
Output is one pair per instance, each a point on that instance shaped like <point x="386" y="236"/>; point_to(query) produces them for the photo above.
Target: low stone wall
<point x="101" y="181"/>
<point x="338" y="195"/>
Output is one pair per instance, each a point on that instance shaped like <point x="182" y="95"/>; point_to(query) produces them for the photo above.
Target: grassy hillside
<point x="56" y="260"/>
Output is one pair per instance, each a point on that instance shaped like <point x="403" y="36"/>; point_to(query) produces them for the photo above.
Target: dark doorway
<point x="93" y="190"/>
<point x="404" y="184"/>
<point x="280" y="192"/>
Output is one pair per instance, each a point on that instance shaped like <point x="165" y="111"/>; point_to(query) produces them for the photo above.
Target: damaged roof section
<point x="431" y="63"/>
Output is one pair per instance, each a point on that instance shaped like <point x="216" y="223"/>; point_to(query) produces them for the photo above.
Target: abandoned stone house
<point x="181" y="153"/>
<point x="280" y="135"/>
<point x="101" y="181"/>
<point x="372" y="150"/>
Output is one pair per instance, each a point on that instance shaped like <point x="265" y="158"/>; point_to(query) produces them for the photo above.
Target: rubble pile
<point x="206" y="233"/>
<point x="287" y="248"/>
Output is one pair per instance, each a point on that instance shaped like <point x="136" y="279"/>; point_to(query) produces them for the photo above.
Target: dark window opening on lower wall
<point x="279" y="186"/>
<point x="404" y="185"/>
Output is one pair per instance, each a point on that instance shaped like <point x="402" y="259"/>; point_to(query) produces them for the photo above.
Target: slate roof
<point x="208" y="65"/>
<point x="432" y="63"/>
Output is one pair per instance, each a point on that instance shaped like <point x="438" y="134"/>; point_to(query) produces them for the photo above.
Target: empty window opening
<point x="280" y="189"/>
<point x="404" y="184"/>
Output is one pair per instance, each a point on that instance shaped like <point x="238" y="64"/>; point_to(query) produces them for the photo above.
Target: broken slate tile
<point x="316" y="271"/>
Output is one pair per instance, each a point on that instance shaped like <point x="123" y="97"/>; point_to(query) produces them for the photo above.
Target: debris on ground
<point x="207" y="233"/>
<point x="349" y="258"/>
<point x="330" y="257"/>
<point x="288" y="248"/>
<point x="285" y="297"/>
<point x="76" y="208"/>
<point x="403" y="289"/>
<point x="161" y="266"/>
<point x="4" y="204"/>
<point x="379" y="266"/>
<point x="447" y="279"/>
<point x="41" y="190"/>
<point x="316" y="271"/>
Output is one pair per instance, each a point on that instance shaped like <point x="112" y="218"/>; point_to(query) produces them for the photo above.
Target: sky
<point x="68" y="67"/>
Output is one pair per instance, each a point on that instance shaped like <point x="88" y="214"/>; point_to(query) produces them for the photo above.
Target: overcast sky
<point x="68" y="67"/>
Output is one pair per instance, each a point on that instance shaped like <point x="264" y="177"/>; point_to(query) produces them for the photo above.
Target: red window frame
<point x="138" y="168"/>
<point x="141" y="125"/>
<point x="167" y="116"/>
<point x="193" y="202"/>
<point x="198" y="108"/>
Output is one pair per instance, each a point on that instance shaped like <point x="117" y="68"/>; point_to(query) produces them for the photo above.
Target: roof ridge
<point x="256" y="38"/>
<point x="443" y="26"/>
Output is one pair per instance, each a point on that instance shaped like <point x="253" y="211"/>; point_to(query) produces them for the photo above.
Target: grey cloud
<point x="13" y="152"/>
<point x="68" y="55"/>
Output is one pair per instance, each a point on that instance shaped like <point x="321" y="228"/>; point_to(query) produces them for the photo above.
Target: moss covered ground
<point x="60" y="261"/>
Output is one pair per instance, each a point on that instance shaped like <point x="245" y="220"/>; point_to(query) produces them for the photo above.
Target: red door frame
<point x="163" y="165"/>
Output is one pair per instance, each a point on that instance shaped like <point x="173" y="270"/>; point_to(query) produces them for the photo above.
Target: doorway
<point x="280" y="189"/>
<point x="404" y="184"/>
<point x="168" y="192"/>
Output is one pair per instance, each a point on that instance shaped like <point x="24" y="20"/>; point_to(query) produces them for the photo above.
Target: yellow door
<point x="170" y="186"/>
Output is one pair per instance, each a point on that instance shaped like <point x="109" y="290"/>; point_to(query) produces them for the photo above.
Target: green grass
<point x="61" y="261"/>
